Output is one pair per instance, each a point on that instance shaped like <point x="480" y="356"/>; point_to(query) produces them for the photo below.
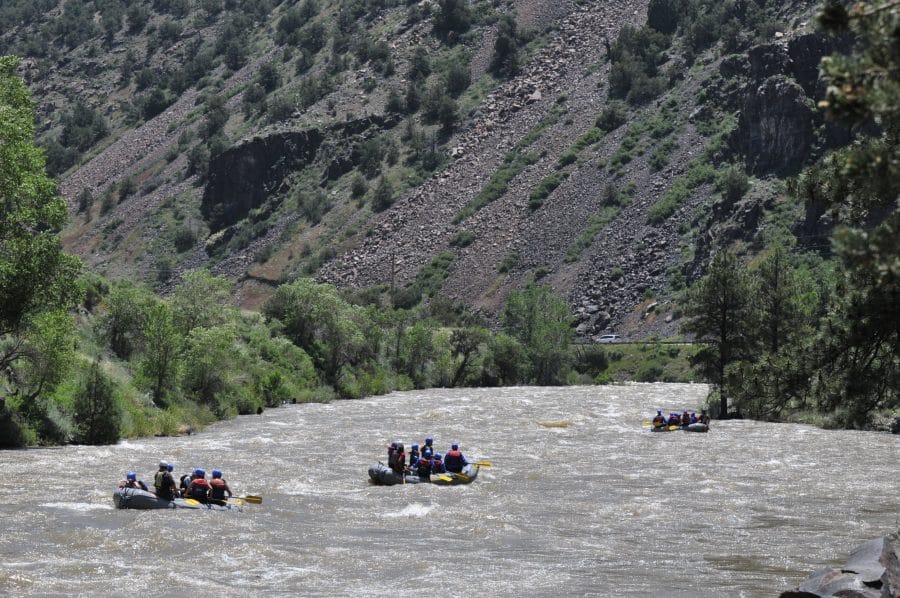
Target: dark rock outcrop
<point x="806" y="52"/>
<point x="872" y="571"/>
<point x="243" y="177"/>
<point x="775" y="128"/>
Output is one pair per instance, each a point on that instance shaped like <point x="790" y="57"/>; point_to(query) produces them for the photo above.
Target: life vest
<point x="423" y="468"/>
<point x="704" y="419"/>
<point x="217" y="488"/>
<point x="685" y="419"/>
<point x="659" y="421"/>
<point x="453" y="461"/>
<point x="198" y="490"/>
<point x="437" y="466"/>
<point x="163" y="483"/>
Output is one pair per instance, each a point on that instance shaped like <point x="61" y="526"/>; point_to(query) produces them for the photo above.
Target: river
<point x="581" y="500"/>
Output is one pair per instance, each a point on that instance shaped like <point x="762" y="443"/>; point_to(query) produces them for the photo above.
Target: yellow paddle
<point x="483" y="463"/>
<point x="251" y="498"/>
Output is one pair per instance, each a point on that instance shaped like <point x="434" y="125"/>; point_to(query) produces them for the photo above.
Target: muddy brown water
<point x="581" y="500"/>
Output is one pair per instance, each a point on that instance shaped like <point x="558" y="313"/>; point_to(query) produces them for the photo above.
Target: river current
<point x="581" y="500"/>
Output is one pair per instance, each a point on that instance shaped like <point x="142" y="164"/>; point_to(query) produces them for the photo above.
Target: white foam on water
<point x="412" y="510"/>
<point x="77" y="506"/>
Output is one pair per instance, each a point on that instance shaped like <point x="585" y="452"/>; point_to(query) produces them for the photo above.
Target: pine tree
<point x="720" y="312"/>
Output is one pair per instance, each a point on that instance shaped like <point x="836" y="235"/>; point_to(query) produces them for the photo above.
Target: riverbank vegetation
<point x="798" y="336"/>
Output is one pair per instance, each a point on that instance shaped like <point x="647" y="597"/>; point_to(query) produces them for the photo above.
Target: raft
<point x="382" y="475"/>
<point x="697" y="427"/>
<point x="135" y="498"/>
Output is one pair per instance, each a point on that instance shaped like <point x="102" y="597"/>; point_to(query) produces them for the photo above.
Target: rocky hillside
<point x="408" y="146"/>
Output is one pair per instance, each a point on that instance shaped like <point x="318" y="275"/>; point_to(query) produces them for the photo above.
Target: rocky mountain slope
<point x="540" y="178"/>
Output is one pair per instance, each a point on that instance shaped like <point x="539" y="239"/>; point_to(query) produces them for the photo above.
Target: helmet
<point x="454" y="447"/>
<point x="394" y="444"/>
<point x="163" y="465"/>
<point x="427" y="452"/>
<point x="200" y="473"/>
<point x="216" y="473"/>
<point x="437" y="456"/>
<point x="414" y="445"/>
<point x="170" y="467"/>
<point x="131" y="476"/>
<point x="659" y="412"/>
<point x="429" y="440"/>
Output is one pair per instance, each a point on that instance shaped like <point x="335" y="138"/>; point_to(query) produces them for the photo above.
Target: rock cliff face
<point x="775" y="128"/>
<point x="604" y="256"/>
<point x="244" y="177"/>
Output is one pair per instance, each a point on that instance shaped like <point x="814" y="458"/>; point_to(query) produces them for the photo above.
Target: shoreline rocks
<point x="871" y="571"/>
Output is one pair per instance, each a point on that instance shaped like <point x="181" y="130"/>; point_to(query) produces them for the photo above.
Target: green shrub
<point x="733" y="183"/>
<point x="509" y="262"/>
<point x="613" y="116"/>
<point x="463" y="238"/>
<point x="545" y="188"/>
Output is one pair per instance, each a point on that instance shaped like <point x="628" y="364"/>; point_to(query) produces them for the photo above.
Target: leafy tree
<point x="506" y="363"/>
<point x="48" y="355"/>
<point x="719" y="312"/>
<point x="417" y="352"/>
<point x="542" y="323"/>
<point x="122" y="325"/>
<point x="36" y="277"/>
<point x="466" y="344"/>
<point x="158" y="366"/>
<point x="209" y="359"/>
<point x="201" y="300"/>
<point x="319" y="321"/>
<point x="97" y="412"/>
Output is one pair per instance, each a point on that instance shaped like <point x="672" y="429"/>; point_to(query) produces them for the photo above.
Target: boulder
<point x="871" y="571"/>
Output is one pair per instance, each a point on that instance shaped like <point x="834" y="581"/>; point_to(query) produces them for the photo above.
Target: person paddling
<point x="704" y="417"/>
<point x="164" y="483"/>
<point x="397" y="460"/>
<point x="660" y="420"/>
<point x="437" y="466"/>
<point x="423" y="466"/>
<point x="199" y="488"/>
<point x="131" y="481"/>
<point x="454" y="460"/>
<point x="218" y="487"/>
<point x="413" y="455"/>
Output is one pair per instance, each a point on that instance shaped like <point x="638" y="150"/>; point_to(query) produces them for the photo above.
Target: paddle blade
<point x="443" y="478"/>
<point x="646" y="423"/>
<point x="483" y="463"/>
<point x="256" y="500"/>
